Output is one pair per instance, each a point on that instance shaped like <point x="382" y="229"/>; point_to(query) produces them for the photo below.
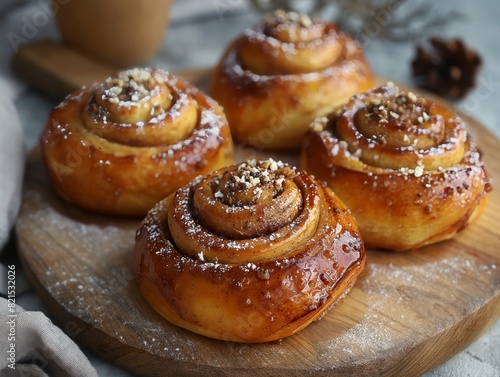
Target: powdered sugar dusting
<point x="403" y="300"/>
<point x="90" y="276"/>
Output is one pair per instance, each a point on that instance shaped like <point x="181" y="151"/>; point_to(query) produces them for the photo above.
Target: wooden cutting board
<point x="407" y="313"/>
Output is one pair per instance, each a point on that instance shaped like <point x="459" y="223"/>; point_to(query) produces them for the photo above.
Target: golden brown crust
<point x="405" y="166"/>
<point x="122" y="146"/>
<point x="240" y="282"/>
<point x="281" y="74"/>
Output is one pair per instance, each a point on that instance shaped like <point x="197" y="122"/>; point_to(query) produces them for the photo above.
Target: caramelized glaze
<point x="279" y="75"/>
<point x="253" y="287"/>
<point x="123" y="145"/>
<point x="404" y="165"/>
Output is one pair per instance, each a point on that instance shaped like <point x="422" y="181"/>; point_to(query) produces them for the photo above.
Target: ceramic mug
<point x="120" y="33"/>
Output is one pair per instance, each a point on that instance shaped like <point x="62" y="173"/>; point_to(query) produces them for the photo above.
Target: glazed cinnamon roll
<point x="123" y="145"/>
<point x="283" y="73"/>
<point x="250" y="253"/>
<point x="403" y="164"/>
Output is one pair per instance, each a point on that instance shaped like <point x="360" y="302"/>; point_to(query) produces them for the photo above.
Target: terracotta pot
<point x="121" y="33"/>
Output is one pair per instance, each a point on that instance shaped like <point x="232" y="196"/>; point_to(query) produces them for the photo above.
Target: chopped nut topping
<point x="282" y="17"/>
<point x="129" y="86"/>
<point x="404" y="107"/>
<point x="319" y="124"/>
<point x="252" y="177"/>
<point x="419" y="170"/>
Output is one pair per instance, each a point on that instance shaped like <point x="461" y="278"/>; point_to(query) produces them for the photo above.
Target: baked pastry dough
<point x="281" y="74"/>
<point x="121" y="146"/>
<point x="403" y="164"/>
<point x="250" y="253"/>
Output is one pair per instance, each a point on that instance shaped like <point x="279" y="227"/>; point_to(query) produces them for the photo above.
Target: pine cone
<point x="448" y="68"/>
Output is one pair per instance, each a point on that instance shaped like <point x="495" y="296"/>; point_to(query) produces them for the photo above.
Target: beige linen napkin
<point x="32" y="346"/>
<point x="37" y="347"/>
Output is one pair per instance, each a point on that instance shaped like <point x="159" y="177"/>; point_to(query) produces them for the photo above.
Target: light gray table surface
<point x="199" y="31"/>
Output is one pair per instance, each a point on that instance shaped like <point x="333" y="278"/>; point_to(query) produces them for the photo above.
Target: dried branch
<point x="356" y="17"/>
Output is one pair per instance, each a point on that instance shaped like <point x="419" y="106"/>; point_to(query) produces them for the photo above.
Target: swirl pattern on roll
<point x="282" y="73"/>
<point x="405" y="166"/>
<point x="250" y="253"/>
<point x="133" y="139"/>
<point x="290" y="43"/>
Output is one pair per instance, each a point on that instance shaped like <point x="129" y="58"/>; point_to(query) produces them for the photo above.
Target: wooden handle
<point x="56" y="69"/>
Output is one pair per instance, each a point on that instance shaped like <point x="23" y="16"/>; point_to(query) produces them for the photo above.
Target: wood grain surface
<point x="407" y="313"/>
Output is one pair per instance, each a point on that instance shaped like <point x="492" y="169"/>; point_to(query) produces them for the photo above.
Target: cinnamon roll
<point x="283" y="73"/>
<point x="250" y="253"/>
<point x="121" y="146"/>
<point x="405" y="166"/>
